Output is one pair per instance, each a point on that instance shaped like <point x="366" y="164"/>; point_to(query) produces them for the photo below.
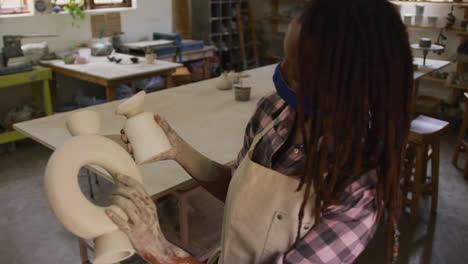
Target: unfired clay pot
<point x="74" y="211"/>
<point x="146" y="136"/>
<point x="223" y="82"/>
<point x="233" y="77"/>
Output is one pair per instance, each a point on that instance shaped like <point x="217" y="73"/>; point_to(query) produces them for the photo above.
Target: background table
<point x="110" y="74"/>
<point x="209" y="119"/>
<point x="39" y="78"/>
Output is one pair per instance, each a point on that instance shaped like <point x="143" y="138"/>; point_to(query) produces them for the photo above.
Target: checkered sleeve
<point x="344" y="230"/>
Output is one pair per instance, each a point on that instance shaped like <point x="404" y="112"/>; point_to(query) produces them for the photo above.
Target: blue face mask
<point x="288" y="94"/>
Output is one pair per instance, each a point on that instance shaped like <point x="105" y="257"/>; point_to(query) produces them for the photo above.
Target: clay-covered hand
<point x="174" y="139"/>
<point x="142" y="228"/>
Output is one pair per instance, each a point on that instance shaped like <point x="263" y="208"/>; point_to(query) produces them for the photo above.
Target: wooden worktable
<point x="209" y="119"/>
<point x="110" y="74"/>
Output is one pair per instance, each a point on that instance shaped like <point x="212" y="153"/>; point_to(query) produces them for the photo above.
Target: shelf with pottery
<point x="39" y="79"/>
<point x="435" y="2"/>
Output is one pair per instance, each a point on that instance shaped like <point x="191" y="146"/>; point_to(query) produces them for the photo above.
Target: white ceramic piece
<point x="223" y="82"/>
<point x="408" y="19"/>
<point x="432" y="20"/>
<point x="233" y="77"/>
<point x="150" y="58"/>
<point x="146" y="136"/>
<point x="420" y="10"/>
<point x="67" y="201"/>
<point x="84" y="123"/>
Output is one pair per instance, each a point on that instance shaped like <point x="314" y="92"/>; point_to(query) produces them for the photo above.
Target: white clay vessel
<point x="146" y="136"/>
<point x="67" y="201"/>
<point x="233" y="77"/>
<point x="223" y="82"/>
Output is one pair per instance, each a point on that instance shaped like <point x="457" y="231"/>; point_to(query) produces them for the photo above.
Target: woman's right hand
<point x="174" y="139"/>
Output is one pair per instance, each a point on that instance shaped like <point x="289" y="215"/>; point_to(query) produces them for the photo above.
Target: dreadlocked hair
<point x="357" y="70"/>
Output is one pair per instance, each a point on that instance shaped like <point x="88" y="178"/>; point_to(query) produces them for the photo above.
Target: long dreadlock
<point x="356" y="66"/>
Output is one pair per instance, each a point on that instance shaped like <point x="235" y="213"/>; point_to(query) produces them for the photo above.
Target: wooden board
<point x="208" y="119"/>
<point x="110" y="22"/>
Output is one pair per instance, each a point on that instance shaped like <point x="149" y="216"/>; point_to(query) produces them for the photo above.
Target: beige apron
<point x="261" y="213"/>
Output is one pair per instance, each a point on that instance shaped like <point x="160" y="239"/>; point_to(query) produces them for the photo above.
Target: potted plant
<point x="75" y="8"/>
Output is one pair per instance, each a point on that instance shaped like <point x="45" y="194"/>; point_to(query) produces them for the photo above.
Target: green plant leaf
<point x="83" y="16"/>
<point x="78" y="26"/>
<point x="65" y="8"/>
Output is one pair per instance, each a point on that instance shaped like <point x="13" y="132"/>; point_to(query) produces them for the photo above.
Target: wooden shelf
<point x="459" y="32"/>
<point x="435" y="2"/>
<point x="458" y="87"/>
<point x="432" y="79"/>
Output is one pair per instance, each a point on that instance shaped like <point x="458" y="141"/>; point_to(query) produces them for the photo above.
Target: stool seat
<point x="424" y="127"/>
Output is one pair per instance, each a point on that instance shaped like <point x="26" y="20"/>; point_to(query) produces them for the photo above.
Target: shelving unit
<point x="275" y="20"/>
<point x="215" y="23"/>
<point x="434" y="2"/>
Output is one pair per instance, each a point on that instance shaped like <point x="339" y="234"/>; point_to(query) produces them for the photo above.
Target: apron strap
<point x="260" y="135"/>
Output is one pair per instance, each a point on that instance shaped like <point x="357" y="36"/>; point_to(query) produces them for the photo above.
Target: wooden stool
<point x="424" y="145"/>
<point x="462" y="145"/>
<point x="427" y="105"/>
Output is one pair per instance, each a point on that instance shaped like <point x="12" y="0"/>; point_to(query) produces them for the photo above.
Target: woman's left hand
<point x="142" y="227"/>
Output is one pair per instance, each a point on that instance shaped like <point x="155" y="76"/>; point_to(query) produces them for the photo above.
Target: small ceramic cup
<point x="242" y="93"/>
<point x="408" y="19"/>
<point x="420" y="10"/>
<point x="425" y="43"/>
<point x="432" y="20"/>
<point x="418" y="20"/>
<point x="150" y="58"/>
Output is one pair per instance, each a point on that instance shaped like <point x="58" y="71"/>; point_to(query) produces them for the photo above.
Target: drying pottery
<point x="150" y="58"/>
<point x="242" y="93"/>
<point x="67" y="201"/>
<point x="420" y="10"/>
<point x="233" y="77"/>
<point x="432" y="20"/>
<point x="408" y="19"/>
<point x="223" y="82"/>
<point x="425" y="43"/>
<point x="146" y="136"/>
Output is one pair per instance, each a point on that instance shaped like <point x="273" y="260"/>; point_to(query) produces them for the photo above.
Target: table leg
<point x="46" y="97"/>
<point x="110" y="92"/>
<point x="53" y="88"/>
<point x="169" y="81"/>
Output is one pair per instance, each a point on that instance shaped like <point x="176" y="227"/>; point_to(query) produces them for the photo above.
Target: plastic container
<point x="84" y="55"/>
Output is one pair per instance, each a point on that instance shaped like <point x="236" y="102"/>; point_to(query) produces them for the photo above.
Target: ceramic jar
<point x="67" y="201"/>
<point x="223" y="82"/>
<point x="146" y="136"/>
<point x="233" y="77"/>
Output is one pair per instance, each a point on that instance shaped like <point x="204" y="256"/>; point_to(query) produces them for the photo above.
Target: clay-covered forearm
<point x="168" y="254"/>
<point x="213" y="176"/>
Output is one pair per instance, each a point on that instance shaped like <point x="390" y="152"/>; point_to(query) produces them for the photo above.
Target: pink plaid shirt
<point x="344" y="230"/>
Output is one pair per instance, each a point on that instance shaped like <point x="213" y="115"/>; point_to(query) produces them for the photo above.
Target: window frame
<point x="92" y="6"/>
<point x="15" y="11"/>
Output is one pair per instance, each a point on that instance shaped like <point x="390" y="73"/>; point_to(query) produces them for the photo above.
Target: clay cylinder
<point x="146" y="136"/>
<point x="69" y="204"/>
